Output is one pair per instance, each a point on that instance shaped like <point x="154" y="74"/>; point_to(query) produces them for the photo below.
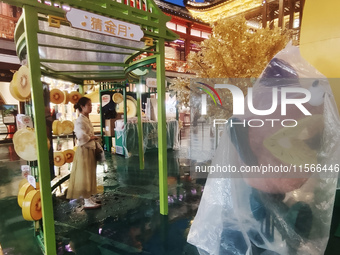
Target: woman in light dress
<point x="83" y="179"/>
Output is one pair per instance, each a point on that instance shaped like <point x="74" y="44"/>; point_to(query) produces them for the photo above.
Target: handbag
<point x="99" y="152"/>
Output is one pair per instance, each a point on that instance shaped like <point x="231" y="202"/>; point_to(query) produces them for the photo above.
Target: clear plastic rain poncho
<point x="284" y="203"/>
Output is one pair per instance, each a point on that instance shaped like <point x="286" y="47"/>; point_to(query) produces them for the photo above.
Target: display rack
<point x="110" y="87"/>
<point x="53" y="46"/>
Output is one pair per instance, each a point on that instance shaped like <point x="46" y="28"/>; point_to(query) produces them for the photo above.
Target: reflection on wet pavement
<point x="129" y="221"/>
<point x="16" y="234"/>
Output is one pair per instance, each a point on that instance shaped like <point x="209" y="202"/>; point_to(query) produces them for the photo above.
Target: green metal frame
<point x="112" y="88"/>
<point x="31" y="26"/>
<point x="153" y="24"/>
<point x="162" y="142"/>
<point x="140" y="72"/>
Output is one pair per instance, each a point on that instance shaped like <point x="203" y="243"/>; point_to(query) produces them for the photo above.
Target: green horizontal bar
<point x="58" y="61"/>
<point x="141" y="62"/>
<point x="80" y="49"/>
<point x="106" y="72"/>
<point x="103" y="79"/>
<point x="47" y="69"/>
<point x="108" y="90"/>
<point x="93" y="41"/>
<point x="79" y="80"/>
<point x="136" y="54"/>
<point x="99" y="76"/>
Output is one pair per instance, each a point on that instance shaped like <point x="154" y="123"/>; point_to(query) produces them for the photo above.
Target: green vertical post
<point x="31" y="29"/>
<point x="162" y="142"/>
<point x="124" y="96"/>
<point x="140" y="125"/>
<point x="102" y="124"/>
<point x="177" y="112"/>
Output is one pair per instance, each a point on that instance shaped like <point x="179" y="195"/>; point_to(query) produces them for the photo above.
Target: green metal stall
<point x="77" y="40"/>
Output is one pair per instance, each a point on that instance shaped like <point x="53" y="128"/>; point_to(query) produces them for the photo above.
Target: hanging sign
<point x="24" y="121"/>
<point x="104" y="25"/>
<point x="151" y="82"/>
<point x="105" y="99"/>
<point x="25" y="170"/>
<point x="31" y="180"/>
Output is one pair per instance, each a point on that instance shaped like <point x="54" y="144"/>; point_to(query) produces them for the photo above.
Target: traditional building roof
<point x="204" y="5"/>
<point x="176" y="10"/>
<point x="213" y="10"/>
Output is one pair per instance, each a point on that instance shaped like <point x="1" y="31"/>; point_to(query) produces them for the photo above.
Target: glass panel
<point x="57" y="41"/>
<point x="104" y="76"/>
<point x="69" y="67"/>
<point x="64" y="54"/>
<point x="65" y="30"/>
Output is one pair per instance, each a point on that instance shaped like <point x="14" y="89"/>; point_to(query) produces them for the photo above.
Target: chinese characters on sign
<point x="151" y="82"/>
<point x="104" y="25"/>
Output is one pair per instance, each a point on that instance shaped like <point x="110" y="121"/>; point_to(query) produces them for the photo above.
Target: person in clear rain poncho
<point x="286" y="208"/>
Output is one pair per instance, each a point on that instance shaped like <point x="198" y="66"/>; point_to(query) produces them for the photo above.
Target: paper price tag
<point x="25" y="170"/>
<point x="31" y="180"/>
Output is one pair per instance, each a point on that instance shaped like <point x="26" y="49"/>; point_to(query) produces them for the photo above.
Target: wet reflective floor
<point x="129" y="221"/>
<point x="16" y="234"/>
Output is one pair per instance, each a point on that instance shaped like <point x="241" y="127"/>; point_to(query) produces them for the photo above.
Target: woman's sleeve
<point x="82" y="132"/>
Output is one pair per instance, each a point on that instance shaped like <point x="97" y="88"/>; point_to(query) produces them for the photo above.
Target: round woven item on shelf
<point x="31" y="207"/>
<point x="22" y="182"/>
<point x="56" y="96"/>
<point x="13" y="89"/>
<point x="48" y="144"/>
<point x="69" y="155"/>
<point x="74" y="97"/>
<point x="25" y="144"/>
<point x="67" y="126"/>
<point x="66" y="97"/>
<point x="131" y="107"/>
<point x="59" y="158"/>
<point x="23" y="191"/>
<point x="24" y="82"/>
<point x="117" y="98"/>
<point x="17" y="135"/>
<point x="57" y="127"/>
<point x="21" y="83"/>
